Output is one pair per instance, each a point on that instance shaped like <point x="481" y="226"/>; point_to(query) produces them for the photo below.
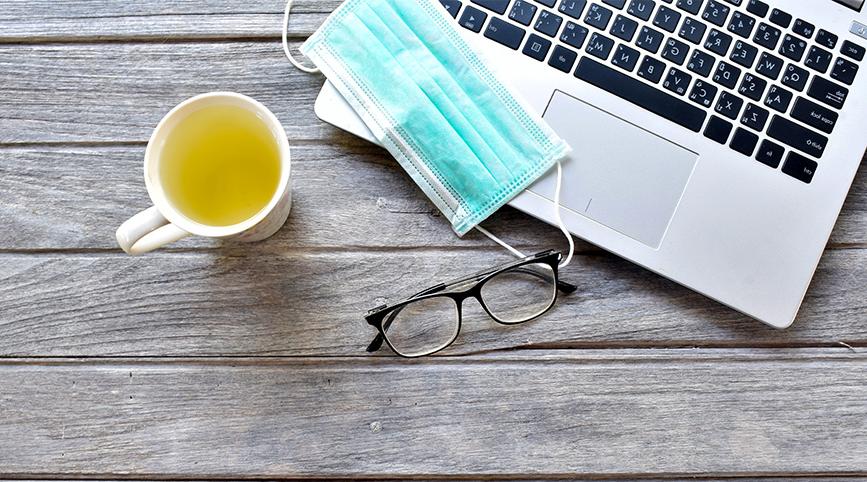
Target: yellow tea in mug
<point x="220" y="165"/>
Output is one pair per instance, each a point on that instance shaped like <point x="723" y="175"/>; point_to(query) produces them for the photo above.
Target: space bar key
<point x="640" y="94"/>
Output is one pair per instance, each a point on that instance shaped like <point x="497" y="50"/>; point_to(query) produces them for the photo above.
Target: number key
<point x="793" y="48"/>
<point x="767" y="36"/>
<point x="818" y="59"/>
<point x="715" y="13"/>
<point x="691" y="6"/>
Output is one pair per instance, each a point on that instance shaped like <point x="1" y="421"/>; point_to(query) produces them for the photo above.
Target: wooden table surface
<point x="247" y="361"/>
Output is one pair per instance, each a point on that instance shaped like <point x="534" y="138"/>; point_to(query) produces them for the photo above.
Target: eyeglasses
<point x="430" y="320"/>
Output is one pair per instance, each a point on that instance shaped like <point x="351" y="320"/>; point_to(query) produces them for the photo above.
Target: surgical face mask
<point x="464" y="138"/>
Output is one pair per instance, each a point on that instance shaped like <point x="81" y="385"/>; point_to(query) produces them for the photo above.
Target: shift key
<point x="797" y="137"/>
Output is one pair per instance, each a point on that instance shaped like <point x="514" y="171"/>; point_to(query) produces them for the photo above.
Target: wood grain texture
<point x="311" y="303"/>
<point x="82" y="20"/>
<point x="118" y="92"/>
<point x="346" y="195"/>
<point x="609" y="413"/>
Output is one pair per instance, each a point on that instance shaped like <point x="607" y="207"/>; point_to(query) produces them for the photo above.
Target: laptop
<point x="714" y="140"/>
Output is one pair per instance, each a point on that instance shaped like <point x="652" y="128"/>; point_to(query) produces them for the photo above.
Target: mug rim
<point x="152" y="160"/>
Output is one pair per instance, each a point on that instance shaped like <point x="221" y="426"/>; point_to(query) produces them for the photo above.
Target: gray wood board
<point x="619" y="412"/>
<point x="118" y="92"/>
<point x="346" y="195"/>
<point x="83" y="20"/>
<point x="312" y="303"/>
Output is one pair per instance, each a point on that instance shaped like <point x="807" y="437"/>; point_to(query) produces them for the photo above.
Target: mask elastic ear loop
<point x="557" y="217"/>
<point x="298" y="65"/>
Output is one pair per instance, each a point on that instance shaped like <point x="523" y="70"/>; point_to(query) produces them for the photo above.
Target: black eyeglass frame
<point x="381" y="317"/>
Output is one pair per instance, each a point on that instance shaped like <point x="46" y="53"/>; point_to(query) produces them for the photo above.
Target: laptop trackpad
<point x="619" y="175"/>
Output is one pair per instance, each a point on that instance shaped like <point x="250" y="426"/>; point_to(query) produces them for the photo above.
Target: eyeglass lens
<point x="423" y="326"/>
<point x="513" y="296"/>
<point x="521" y="293"/>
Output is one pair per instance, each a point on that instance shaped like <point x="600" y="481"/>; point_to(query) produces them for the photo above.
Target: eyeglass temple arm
<point x="376" y="344"/>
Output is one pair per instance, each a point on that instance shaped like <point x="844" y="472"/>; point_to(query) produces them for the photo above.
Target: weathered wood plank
<point x="42" y="20"/>
<point x="345" y="195"/>
<point x="311" y="303"/>
<point x="119" y="92"/>
<point x="614" y="413"/>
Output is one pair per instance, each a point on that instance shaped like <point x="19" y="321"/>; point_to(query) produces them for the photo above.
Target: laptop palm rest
<point x="619" y="175"/>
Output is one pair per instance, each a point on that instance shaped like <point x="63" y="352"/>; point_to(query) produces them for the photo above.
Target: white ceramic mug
<point x="163" y="223"/>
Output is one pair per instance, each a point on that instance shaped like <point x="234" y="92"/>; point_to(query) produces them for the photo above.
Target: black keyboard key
<point x="641" y="94"/>
<point x="769" y="66"/>
<point x="727" y="75"/>
<point x="649" y="39"/>
<point x="548" y="23"/>
<point x="793" y="48"/>
<point x="729" y="105"/>
<point x="757" y="7"/>
<point x="498" y="6"/>
<point x="600" y="46"/>
<point x="677" y="81"/>
<point x="800" y="167"/>
<point x="624" y="28"/>
<point x="826" y="39"/>
<point x="795" y="77"/>
<point x="828" y="92"/>
<point x="770" y="153"/>
<point x="742" y="24"/>
<point x="767" y="36"/>
<point x="703" y="93"/>
<point x="547" y="3"/>
<point x="563" y="59"/>
<point x="803" y="28"/>
<point x="853" y="51"/>
<point x="574" y="35"/>
<point x="692" y="30"/>
<point x="814" y="115"/>
<point x="523" y="12"/>
<point x="505" y="33"/>
<point x="715" y="13"/>
<point x="718" y="42"/>
<point x="744" y="142"/>
<point x="778" y="99"/>
<point x="625" y="57"/>
<point x="537" y="47"/>
<point x="755" y="117"/>
<point x="797" y="137"/>
<point x="615" y="3"/>
<point x="844" y="71"/>
<point x="701" y="63"/>
<point x="473" y="19"/>
<point x="691" y="6"/>
<point x="718" y="130"/>
<point x="641" y="8"/>
<point x="598" y="16"/>
<point x="744" y="54"/>
<point x="780" y="18"/>
<point x="452" y="6"/>
<point x="818" y="59"/>
<point x="572" y="8"/>
<point x="675" y="51"/>
<point x="666" y="19"/>
<point x="651" y="69"/>
<point x="752" y="86"/>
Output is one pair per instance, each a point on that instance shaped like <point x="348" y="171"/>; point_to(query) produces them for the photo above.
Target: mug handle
<point x="147" y="231"/>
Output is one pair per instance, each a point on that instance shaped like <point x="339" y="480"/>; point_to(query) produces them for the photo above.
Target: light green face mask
<point x="428" y="98"/>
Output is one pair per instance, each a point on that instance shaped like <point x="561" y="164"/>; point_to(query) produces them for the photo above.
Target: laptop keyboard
<point x="740" y="72"/>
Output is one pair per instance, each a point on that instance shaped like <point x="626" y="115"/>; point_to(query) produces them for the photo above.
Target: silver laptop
<point x="714" y="140"/>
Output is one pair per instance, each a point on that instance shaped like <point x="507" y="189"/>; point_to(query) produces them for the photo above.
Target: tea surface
<point x="220" y="166"/>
